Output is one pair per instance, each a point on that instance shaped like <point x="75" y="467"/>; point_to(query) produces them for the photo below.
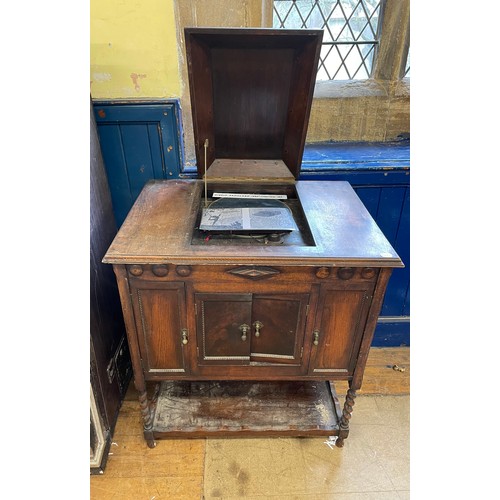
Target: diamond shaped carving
<point x="254" y="272"/>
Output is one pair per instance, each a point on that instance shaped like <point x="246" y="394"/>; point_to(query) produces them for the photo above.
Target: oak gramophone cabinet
<point x="244" y="330"/>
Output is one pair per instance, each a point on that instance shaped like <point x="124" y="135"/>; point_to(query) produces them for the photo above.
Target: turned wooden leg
<point x="147" y="419"/>
<point x="346" y="416"/>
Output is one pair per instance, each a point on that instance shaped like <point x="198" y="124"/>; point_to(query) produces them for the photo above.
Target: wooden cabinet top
<point x="159" y="229"/>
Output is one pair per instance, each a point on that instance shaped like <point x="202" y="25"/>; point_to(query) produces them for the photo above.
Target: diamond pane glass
<point x="349" y="33"/>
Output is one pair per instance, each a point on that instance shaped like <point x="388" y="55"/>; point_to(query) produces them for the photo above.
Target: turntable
<point x="247" y="293"/>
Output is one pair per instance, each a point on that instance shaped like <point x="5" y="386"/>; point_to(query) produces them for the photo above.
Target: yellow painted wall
<point x="133" y="49"/>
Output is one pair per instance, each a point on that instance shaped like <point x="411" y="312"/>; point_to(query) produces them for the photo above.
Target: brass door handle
<point x="244" y="329"/>
<point x="184" y="334"/>
<point x="316" y="337"/>
<point x="258" y="325"/>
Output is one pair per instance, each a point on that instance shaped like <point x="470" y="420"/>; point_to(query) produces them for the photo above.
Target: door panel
<point x="160" y="317"/>
<point x="220" y="321"/>
<point x="339" y="324"/>
<point x="279" y="322"/>
<point x="139" y="142"/>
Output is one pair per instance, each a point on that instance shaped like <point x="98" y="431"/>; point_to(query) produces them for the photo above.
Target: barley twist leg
<point x="147" y="419"/>
<point x="346" y="416"/>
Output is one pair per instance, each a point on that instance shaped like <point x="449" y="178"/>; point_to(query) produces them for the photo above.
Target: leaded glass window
<point x="350" y="36"/>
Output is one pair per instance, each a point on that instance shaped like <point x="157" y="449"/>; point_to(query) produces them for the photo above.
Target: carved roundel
<point x="183" y="270"/>
<point x="322" y="272"/>
<point x="160" y="270"/>
<point x="345" y="273"/>
<point x="367" y="272"/>
<point x="135" y="269"/>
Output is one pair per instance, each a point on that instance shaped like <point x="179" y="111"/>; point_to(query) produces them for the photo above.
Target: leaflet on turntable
<point x="254" y="219"/>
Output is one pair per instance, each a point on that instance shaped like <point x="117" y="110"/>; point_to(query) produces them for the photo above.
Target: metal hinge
<point x="301" y="352"/>
<point x="196" y="309"/>
<point x="307" y="310"/>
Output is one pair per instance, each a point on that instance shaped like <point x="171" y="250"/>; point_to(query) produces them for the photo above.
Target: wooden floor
<point x="178" y="470"/>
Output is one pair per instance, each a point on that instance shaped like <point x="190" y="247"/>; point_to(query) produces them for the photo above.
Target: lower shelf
<point x="235" y="408"/>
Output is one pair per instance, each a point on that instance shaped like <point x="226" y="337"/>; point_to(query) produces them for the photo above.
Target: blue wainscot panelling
<point x="380" y="175"/>
<point x="139" y="142"/>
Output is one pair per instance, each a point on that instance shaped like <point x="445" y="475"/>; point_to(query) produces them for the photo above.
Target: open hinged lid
<point x="251" y="93"/>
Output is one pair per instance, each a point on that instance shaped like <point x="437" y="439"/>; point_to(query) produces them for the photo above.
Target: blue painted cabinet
<point x="380" y="175"/>
<point x="140" y="142"/>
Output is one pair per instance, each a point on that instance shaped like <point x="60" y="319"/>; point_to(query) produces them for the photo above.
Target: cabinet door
<point x="241" y="327"/>
<point x="160" y="314"/>
<point x="223" y="327"/>
<point x="339" y="325"/>
<point x="278" y="323"/>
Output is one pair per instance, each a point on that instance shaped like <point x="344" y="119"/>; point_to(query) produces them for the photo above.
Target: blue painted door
<point x="139" y="142"/>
